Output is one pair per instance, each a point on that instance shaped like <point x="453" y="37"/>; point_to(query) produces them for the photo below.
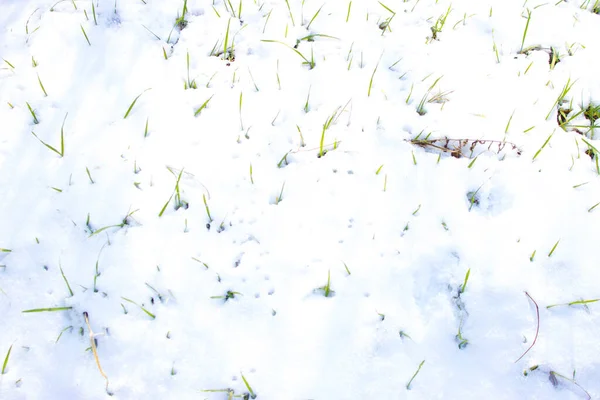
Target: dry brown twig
<point x="455" y="147"/>
<point x="94" y="349"/>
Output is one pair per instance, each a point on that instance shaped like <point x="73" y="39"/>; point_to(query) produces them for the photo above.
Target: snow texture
<point x="351" y="188"/>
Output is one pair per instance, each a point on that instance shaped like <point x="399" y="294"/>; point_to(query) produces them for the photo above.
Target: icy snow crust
<point x="395" y="224"/>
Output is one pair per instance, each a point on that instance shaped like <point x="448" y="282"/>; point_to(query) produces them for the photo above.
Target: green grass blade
<point x="46" y="144"/>
<point x="85" y="34"/>
<point x="6" y="360"/>
<point x="133" y="103"/>
<point x="66" y="281"/>
<point x="142" y="308"/>
<point x="51" y="309"/>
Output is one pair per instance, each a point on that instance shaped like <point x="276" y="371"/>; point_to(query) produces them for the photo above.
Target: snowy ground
<point x="274" y="215"/>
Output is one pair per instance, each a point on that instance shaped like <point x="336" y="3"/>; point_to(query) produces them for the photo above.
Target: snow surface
<point x="396" y="241"/>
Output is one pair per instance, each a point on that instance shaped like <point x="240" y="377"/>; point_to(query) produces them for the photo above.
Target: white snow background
<point x="274" y="273"/>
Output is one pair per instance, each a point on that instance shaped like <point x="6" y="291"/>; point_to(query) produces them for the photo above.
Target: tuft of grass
<point x="326" y="290"/>
<point x="177" y="194"/>
<point x="326" y="125"/>
<point x="6" y="360"/>
<point x="181" y="22"/>
<point x="190" y="83"/>
<point x="225" y="43"/>
<point x="425" y="99"/>
<point x="133" y="103"/>
<point x="414" y="375"/>
<point x="437" y="28"/>
<point x="141" y="307"/>
<point x="561" y="97"/>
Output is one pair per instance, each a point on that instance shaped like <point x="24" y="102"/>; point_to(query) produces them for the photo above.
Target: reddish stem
<point x="537" y="329"/>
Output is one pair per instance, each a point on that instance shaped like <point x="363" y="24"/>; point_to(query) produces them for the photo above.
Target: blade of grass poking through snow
<point x="6" y="360"/>
<point x="35" y="120"/>
<point x="415" y="375"/>
<point x="175" y="192"/>
<point x="50" y="309"/>
<point x="133" y="103"/>
<point x="8" y="63"/>
<point x="574" y="303"/>
<point x="310" y="63"/>
<point x="346" y="267"/>
<point x="348" y="13"/>
<point x="62" y="140"/>
<point x="252" y="394"/>
<point x="509" y="120"/>
<point x="526" y="28"/>
<point x="146" y="129"/>
<point x="95" y="350"/>
<point x="207" y="209"/>
<point x="326" y="126"/>
<point x="66" y="281"/>
<point x="225" y="42"/>
<point x="553" y="248"/>
<point x="464" y="285"/>
<point x="87" y="170"/>
<point x="85" y="34"/>
<point x="290" y="11"/>
<point x="561" y="97"/>
<point x="152" y="33"/>
<point x="542" y="148"/>
<point x="46" y="144"/>
<point x="373" y="76"/>
<point x="313" y="18"/>
<point x="141" y="308"/>
<point x="94" y="13"/>
<point x="203" y="106"/>
<point x="280" y="197"/>
<point x="241" y="122"/>
<point x="42" y="86"/>
<point x="537" y="329"/>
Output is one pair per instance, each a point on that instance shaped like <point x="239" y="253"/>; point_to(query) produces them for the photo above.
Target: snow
<point x="234" y="281"/>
